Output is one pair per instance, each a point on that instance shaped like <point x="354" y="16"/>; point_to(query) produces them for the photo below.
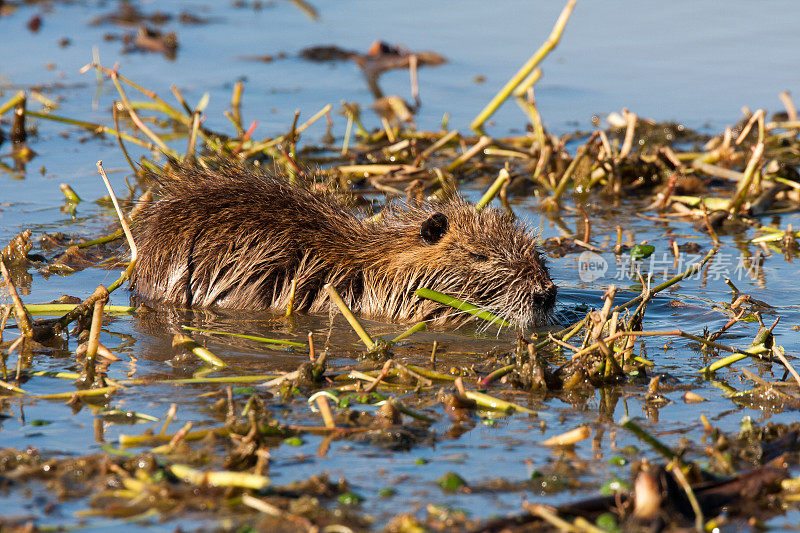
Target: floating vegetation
<point x="305" y="395"/>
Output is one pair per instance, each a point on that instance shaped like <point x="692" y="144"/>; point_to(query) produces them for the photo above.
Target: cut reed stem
<point x="533" y="61"/>
<point x="351" y="318"/>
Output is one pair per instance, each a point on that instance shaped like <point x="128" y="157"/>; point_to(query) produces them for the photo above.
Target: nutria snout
<point x="237" y="237"/>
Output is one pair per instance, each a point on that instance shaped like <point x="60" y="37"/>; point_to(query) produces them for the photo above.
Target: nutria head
<point x="487" y="258"/>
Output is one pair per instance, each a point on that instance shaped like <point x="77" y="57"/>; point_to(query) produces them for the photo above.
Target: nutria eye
<point x="434" y="228"/>
<point x="478" y="257"/>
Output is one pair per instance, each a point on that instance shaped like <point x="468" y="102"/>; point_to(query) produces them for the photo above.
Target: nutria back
<point x="237" y="237"/>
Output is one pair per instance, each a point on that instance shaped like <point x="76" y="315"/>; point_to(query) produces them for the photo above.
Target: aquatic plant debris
<point x="661" y="395"/>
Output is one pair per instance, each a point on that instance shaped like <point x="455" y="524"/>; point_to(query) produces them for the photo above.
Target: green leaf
<point x="293" y="441"/>
<point x="614" y="486"/>
<point x="461" y="306"/>
<point x="350" y="498"/>
<point x="249" y="337"/>
<point x="607" y="521"/>
<point x="451" y="482"/>
<point x="642" y="251"/>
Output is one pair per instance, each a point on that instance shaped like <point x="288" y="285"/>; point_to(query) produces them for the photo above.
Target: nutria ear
<point x="434" y="228"/>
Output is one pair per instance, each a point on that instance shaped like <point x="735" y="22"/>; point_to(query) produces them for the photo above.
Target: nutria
<point x="236" y="237"/>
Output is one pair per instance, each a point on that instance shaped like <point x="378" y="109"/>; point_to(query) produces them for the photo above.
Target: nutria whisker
<point x="232" y="236"/>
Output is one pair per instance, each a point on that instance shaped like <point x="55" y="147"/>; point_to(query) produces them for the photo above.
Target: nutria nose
<point x="546" y="297"/>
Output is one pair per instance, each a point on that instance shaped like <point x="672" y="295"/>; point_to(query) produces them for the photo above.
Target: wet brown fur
<point x="236" y="238"/>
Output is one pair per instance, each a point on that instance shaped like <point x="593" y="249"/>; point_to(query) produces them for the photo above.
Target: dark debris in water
<point x="183" y="481"/>
<point x="152" y="40"/>
<point x="124" y="487"/>
<point x="128" y="14"/>
<point x="380" y="56"/>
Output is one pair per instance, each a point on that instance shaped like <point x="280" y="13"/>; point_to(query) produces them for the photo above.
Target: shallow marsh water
<point x="667" y="61"/>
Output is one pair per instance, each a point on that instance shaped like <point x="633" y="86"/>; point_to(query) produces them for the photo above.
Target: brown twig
<point x="23" y="319"/>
